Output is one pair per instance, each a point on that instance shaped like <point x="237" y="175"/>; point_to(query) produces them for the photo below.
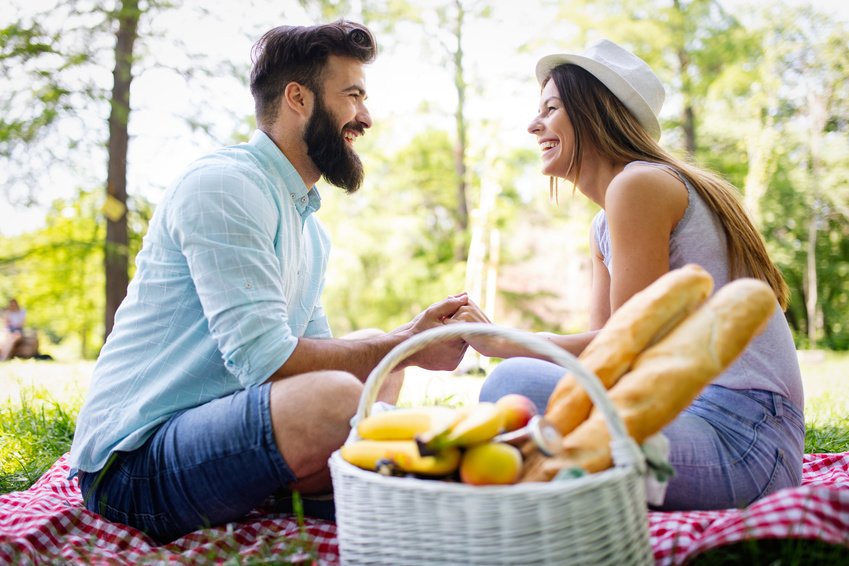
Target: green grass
<point x="41" y="402"/>
<point x="33" y="434"/>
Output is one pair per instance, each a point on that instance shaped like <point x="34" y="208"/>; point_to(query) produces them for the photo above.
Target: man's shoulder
<point x="227" y="166"/>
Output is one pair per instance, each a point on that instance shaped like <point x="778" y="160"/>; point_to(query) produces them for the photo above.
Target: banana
<point x="406" y="424"/>
<point x="481" y="424"/>
<point x="404" y="454"/>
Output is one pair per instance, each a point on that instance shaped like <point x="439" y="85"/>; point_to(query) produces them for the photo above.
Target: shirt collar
<point x="306" y="200"/>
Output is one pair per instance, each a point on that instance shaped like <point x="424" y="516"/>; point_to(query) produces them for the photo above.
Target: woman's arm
<point x="643" y="206"/>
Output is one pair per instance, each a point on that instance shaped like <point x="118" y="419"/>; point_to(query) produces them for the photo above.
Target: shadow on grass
<point x="783" y="552"/>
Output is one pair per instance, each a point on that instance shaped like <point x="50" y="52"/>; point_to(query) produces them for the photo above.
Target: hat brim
<point x="620" y="87"/>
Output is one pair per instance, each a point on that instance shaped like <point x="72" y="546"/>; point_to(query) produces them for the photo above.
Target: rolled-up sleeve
<point x="226" y="223"/>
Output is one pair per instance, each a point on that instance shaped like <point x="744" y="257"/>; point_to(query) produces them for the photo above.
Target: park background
<point x="102" y="104"/>
<point x="105" y="102"/>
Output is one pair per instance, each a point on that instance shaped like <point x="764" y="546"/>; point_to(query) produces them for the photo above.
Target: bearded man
<point x="220" y="384"/>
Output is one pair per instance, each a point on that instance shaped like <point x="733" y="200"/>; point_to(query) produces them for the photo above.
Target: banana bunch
<point x="428" y="441"/>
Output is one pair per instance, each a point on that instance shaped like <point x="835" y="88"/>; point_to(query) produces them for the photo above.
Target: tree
<point x="54" y="133"/>
<point x="116" y="256"/>
<point x="816" y="72"/>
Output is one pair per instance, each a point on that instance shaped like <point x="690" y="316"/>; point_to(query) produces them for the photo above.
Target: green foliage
<point x="56" y="272"/>
<point x="397" y="236"/>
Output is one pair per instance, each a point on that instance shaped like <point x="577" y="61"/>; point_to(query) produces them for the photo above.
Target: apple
<point x="493" y="463"/>
<point x="517" y="410"/>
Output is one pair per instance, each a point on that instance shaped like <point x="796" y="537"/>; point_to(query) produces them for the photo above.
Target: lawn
<point x="39" y="403"/>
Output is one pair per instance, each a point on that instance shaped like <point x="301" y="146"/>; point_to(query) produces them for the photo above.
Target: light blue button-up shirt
<point x="229" y="276"/>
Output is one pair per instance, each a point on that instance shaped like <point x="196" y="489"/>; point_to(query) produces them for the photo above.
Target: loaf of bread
<point x="670" y="374"/>
<point x="642" y="320"/>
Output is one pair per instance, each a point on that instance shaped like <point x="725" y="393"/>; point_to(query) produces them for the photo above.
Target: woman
<point x="597" y="127"/>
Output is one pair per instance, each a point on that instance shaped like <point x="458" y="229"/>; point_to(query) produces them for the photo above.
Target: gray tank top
<point x="770" y="362"/>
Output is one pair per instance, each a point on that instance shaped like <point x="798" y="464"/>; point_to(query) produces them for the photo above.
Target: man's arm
<point x="361" y="356"/>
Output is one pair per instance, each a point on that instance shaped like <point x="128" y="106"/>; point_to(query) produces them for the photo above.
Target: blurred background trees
<point x="453" y="199"/>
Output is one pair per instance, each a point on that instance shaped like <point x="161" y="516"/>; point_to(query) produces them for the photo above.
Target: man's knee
<point x="342" y="388"/>
<point x="318" y="391"/>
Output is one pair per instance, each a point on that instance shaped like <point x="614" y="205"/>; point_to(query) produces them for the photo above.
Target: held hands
<point x="444" y="355"/>
<point x="486" y="345"/>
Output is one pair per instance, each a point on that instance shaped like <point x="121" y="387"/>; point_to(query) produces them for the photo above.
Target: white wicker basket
<point x="596" y="519"/>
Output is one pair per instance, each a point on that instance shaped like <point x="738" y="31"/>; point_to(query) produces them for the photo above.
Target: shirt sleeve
<point x="318" y="326"/>
<point x="225" y="222"/>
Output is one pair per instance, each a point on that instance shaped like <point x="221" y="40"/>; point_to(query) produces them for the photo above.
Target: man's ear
<point x="298" y="98"/>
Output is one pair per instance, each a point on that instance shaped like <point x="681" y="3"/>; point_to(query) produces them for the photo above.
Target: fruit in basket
<point x="403" y="454"/>
<point x="517" y="410"/>
<point x="492" y="463"/>
<point x="482" y="422"/>
<point x="406" y="424"/>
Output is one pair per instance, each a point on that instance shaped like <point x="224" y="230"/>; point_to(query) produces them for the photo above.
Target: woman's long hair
<point x="600" y="120"/>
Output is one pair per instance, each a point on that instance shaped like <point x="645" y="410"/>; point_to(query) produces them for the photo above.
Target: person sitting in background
<point x="14" y="317"/>
<point x="598" y="128"/>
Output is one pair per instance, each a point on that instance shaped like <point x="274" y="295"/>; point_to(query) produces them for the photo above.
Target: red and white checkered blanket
<point x="47" y="524"/>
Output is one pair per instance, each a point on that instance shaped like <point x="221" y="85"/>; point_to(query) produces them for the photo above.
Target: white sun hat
<point x="627" y="76"/>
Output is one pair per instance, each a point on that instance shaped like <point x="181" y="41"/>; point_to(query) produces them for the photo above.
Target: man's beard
<point x="329" y="151"/>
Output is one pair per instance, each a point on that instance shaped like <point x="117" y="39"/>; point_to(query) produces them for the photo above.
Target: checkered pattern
<point x="819" y="509"/>
<point x="48" y="524"/>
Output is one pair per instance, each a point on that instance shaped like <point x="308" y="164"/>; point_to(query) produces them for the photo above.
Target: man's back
<point x="229" y="276"/>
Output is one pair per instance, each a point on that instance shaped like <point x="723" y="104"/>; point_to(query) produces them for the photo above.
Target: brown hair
<point x="600" y="120"/>
<point x="298" y="54"/>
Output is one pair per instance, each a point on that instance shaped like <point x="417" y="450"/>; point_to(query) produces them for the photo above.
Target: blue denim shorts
<point x="205" y="466"/>
<point x="729" y="447"/>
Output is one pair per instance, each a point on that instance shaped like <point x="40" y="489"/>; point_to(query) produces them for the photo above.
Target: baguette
<point x="641" y="321"/>
<point x="669" y="375"/>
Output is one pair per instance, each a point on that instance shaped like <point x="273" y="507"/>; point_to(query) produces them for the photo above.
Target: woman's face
<point x="554" y="132"/>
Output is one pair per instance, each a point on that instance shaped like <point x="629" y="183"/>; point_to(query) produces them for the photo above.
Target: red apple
<point x="517" y="410"/>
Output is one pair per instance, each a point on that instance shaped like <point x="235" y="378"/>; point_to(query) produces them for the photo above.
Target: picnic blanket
<point x="47" y="524"/>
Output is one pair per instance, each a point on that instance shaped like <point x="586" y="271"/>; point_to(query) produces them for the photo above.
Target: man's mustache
<point x="355" y="126"/>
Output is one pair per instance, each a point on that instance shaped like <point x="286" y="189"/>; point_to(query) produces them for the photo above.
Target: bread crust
<point x="640" y="322"/>
<point x="669" y="375"/>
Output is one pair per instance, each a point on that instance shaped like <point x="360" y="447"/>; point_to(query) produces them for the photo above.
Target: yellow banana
<point x="404" y="454"/>
<point x="405" y="424"/>
<point x="482" y="423"/>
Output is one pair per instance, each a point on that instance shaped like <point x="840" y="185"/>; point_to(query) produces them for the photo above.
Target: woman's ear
<point x="298" y="98"/>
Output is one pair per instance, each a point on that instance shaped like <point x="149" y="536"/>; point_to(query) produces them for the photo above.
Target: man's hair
<point x="299" y="54"/>
<point x="599" y="119"/>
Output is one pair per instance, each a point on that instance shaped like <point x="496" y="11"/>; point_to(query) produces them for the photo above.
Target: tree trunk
<point x="688" y="115"/>
<point x="817" y="109"/>
<point x="116" y="251"/>
<point x="811" y="281"/>
<point x="460" y="250"/>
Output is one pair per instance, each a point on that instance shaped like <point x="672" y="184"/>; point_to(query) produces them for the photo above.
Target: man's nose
<point x="364" y="117"/>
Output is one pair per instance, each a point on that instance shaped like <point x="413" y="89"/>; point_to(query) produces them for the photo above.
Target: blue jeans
<point x="729" y="447"/>
<point x="205" y="466"/>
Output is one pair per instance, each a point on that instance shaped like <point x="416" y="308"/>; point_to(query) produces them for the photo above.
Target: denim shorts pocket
<point x="739" y="433"/>
<point x="777" y="470"/>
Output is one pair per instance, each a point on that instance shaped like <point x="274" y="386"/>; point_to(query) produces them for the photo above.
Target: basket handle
<point x="624" y="449"/>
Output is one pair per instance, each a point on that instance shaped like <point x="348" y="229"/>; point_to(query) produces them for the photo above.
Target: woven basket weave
<point x="596" y="519"/>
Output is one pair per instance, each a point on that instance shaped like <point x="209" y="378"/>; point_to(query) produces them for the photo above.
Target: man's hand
<point x="444" y="355"/>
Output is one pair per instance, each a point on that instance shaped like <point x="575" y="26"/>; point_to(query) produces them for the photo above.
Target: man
<point x="220" y="383"/>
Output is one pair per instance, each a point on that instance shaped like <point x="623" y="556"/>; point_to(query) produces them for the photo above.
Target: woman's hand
<point x="486" y="345"/>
